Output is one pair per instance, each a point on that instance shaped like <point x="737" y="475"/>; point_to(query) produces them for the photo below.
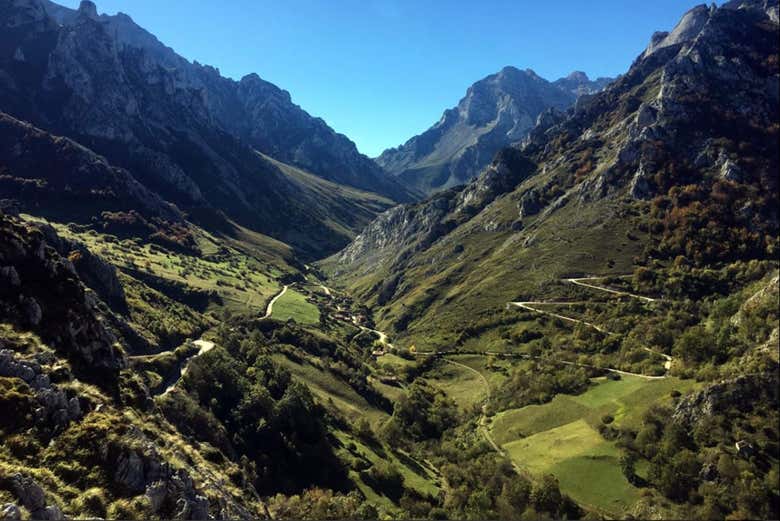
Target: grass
<point x="333" y="392"/>
<point x="560" y="437"/>
<point x="293" y="305"/>
<point x="241" y="281"/>
<point x="418" y="475"/>
<point x="510" y="425"/>
<point x="348" y="210"/>
<point x="609" y="391"/>
<point x="491" y="269"/>
<point x="459" y="384"/>
<point x="586" y="465"/>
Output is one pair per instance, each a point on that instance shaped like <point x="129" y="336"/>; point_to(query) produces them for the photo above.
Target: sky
<point x="382" y="71"/>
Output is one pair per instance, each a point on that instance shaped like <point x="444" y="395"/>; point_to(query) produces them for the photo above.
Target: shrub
<point x="92" y="503"/>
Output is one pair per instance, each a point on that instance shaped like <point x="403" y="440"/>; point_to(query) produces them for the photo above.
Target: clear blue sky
<point x="381" y="71"/>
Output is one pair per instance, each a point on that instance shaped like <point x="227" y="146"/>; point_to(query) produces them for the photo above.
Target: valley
<point x="558" y="302"/>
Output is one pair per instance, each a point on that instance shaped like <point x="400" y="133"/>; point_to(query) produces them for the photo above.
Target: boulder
<point x="28" y="491"/>
<point x="530" y="203"/>
<point x="130" y="472"/>
<point x="10" y="512"/>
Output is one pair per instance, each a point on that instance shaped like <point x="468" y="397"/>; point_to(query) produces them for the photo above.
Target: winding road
<point x="270" y="309"/>
<point x="528" y="306"/>
<point x="582" y="282"/>
<point x="205" y="346"/>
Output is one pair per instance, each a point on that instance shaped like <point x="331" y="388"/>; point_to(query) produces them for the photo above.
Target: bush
<point x="92" y="503"/>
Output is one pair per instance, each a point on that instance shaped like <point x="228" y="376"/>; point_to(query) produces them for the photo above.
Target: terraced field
<point x="562" y="437"/>
<point x="293" y="305"/>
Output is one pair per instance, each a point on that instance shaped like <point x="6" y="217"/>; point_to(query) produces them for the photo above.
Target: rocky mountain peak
<point x="686" y="30"/>
<point x="497" y="111"/>
<point x="88" y="8"/>
<point x="578" y="76"/>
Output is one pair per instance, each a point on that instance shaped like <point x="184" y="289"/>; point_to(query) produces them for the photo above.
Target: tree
<point x="628" y="466"/>
<point x="514" y="498"/>
<point x="546" y="495"/>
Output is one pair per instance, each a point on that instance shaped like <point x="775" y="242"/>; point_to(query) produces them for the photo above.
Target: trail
<point x="270" y="309"/>
<point x="528" y="306"/>
<point x="483" y="418"/>
<point x="205" y="346"/>
<point x="581" y="282"/>
<point x="383" y="338"/>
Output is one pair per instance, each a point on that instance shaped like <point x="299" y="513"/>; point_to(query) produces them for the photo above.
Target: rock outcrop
<point x="55" y="408"/>
<point x="41" y="290"/>
<point x="741" y="393"/>
<point x="496" y="112"/>
<point x="33" y="498"/>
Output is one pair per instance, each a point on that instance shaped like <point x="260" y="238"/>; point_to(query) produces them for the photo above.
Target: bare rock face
<point x="496" y="112"/>
<point x="739" y="393"/>
<point x="686" y="30"/>
<point x="96" y="273"/>
<point x="141" y="470"/>
<point x="530" y="203"/>
<point x="88" y="9"/>
<point x="33" y="498"/>
<point x="55" y="410"/>
<point x="30" y="494"/>
<point x="52" y="301"/>
<point x="10" y="512"/>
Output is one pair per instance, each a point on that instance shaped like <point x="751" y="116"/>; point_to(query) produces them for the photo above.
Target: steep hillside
<point x="112" y="87"/>
<point x="251" y="109"/>
<point x="91" y="430"/>
<point x="611" y="283"/>
<point x="677" y="158"/>
<point x="496" y="112"/>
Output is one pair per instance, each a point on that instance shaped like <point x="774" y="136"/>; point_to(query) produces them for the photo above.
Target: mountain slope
<point x="251" y="109"/>
<point x="691" y="126"/>
<point x="111" y="87"/>
<point x="496" y="112"/>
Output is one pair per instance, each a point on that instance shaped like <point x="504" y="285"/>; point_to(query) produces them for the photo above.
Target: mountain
<point x="251" y="109"/>
<point x="587" y="329"/>
<point x="685" y="138"/>
<point x="496" y="112"/>
<point x="579" y="84"/>
<point x="183" y="131"/>
<point x="635" y="239"/>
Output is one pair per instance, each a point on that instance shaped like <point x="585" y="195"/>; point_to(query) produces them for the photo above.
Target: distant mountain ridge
<point x="183" y="131"/>
<point x="497" y="111"/>
<point x="252" y="109"/>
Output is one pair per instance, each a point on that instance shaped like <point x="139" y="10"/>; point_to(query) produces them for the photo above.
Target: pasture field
<point x="562" y="438"/>
<point x="293" y="305"/>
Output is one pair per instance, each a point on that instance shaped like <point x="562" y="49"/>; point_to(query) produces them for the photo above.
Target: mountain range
<point x="197" y="139"/>
<point x="676" y="119"/>
<point x="560" y="302"/>
<point x="496" y="112"/>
